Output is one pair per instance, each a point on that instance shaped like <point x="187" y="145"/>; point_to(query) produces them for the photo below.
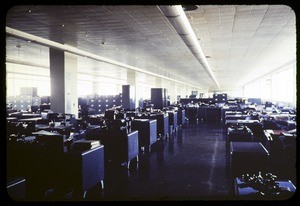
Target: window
<point x="84" y="88"/>
<point x="276" y="87"/>
<point x="15" y="81"/>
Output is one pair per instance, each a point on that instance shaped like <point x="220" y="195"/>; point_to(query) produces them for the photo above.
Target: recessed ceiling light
<point x="29" y="10"/>
<point x="62" y="25"/>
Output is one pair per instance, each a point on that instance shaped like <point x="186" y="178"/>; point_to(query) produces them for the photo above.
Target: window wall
<point x="278" y="86"/>
<point x="143" y="91"/>
<point x="84" y="87"/>
<point x="18" y="76"/>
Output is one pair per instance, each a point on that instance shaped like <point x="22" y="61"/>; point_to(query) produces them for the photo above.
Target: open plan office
<point x="150" y="102"/>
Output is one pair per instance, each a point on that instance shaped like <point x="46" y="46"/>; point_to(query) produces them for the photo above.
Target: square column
<point x="63" y="77"/>
<point x="131" y="81"/>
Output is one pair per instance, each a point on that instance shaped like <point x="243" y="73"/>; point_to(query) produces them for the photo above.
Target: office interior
<point x="150" y="102"/>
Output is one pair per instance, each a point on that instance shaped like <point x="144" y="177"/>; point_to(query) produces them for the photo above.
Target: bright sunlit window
<point x="84" y="88"/>
<point x="14" y="82"/>
<point x="143" y="92"/>
<point x="282" y="86"/>
<point x="276" y="87"/>
<point x="109" y="89"/>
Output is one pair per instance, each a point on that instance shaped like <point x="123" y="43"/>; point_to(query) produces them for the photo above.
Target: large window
<point x="283" y="86"/>
<point x="84" y="88"/>
<point x="280" y="86"/>
<point x="143" y="91"/>
<point x="18" y="76"/>
<point x="109" y="89"/>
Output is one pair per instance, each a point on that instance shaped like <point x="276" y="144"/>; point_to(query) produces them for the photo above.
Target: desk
<point x="120" y="146"/>
<point x="85" y="169"/>
<point x="235" y="117"/>
<point x="39" y="162"/>
<point x="246" y="192"/>
<point x="162" y="123"/>
<point x="282" y="148"/>
<point x="147" y="131"/>
<point x="247" y="157"/>
<point x="33" y="119"/>
<point x="239" y="134"/>
<point x="240" y="121"/>
<point x="254" y="125"/>
<point x="282" y="117"/>
<point x="291" y="124"/>
<point x="213" y="114"/>
<point x="58" y="128"/>
<point x="173" y="116"/>
<point x="44" y="132"/>
<point x="228" y="111"/>
<point x="63" y="129"/>
<point x="201" y="113"/>
<point x="181" y="117"/>
<point x="192" y="114"/>
<point x="11" y="119"/>
<point x="29" y="115"/>
<point x="273" y="137"/>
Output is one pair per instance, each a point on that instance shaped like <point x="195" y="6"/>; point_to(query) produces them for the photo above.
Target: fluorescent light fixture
<point x="76" y="51"/>
<point x="181" y="24"/>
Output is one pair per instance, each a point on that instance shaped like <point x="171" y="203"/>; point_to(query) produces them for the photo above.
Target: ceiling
<point x="241" y="42"/>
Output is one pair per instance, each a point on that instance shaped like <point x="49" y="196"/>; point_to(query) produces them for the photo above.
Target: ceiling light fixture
<point x="179" y="21"/>
<point x="189" y="7"/>
<point x="76" y="51"/>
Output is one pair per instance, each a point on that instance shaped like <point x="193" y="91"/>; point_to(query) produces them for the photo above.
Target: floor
<point x="189" y="165"/>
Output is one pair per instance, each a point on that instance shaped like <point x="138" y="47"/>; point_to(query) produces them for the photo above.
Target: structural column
<point x="63" y="75"/>
<point x="172" y="91"/>
<point x="176" y="91"/>
<point x="131" y="80"/>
